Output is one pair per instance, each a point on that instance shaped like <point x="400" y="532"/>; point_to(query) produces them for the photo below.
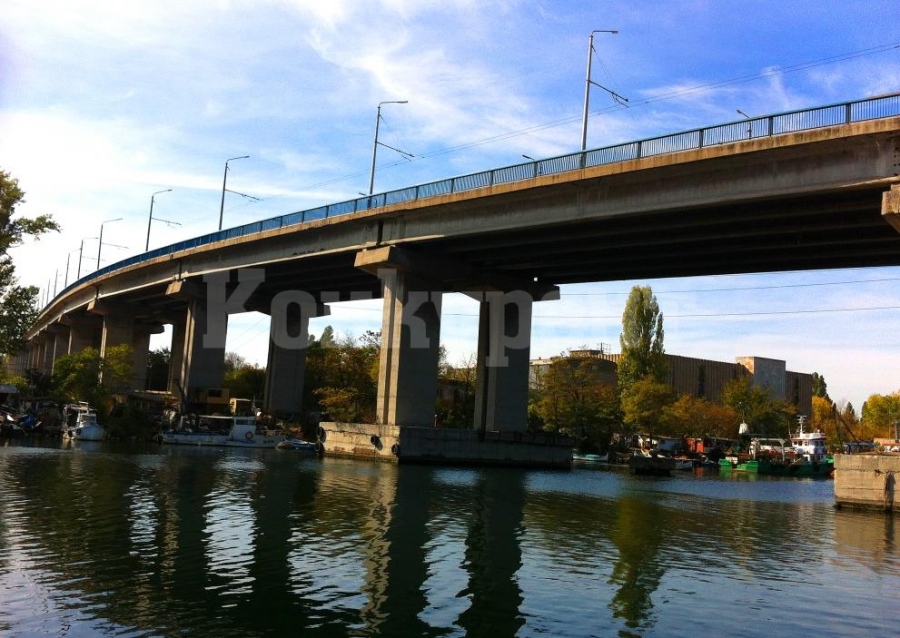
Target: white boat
<point x="293" y="443"/>
<point x="221" y="431"/>
<point x="81" y="420"/>
<point x="809" y="445"/>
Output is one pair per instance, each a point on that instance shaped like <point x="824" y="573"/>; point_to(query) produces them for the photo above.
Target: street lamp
<point x="100" y="241"/>
<point x="587" y="87"/>
<point x="150" y="221"/>
<point x="375" y="145"/>
<point x="224" y="181"/>
<point x="80" y="255"/>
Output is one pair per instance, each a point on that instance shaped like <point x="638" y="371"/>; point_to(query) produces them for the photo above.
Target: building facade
<point x="704" y="378"/>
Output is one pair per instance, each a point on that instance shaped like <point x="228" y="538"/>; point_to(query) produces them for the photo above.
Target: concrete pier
<point x="867" y="481"/>
<point x="429" y="445"/>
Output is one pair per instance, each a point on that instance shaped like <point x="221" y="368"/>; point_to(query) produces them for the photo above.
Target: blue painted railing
<point x="765" y="126"/>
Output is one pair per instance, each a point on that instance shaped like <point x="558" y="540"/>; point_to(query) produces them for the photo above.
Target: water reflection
<point x="176" y="541"/>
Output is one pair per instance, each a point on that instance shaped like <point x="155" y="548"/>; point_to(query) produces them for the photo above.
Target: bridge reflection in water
<point x="181" y="541"/>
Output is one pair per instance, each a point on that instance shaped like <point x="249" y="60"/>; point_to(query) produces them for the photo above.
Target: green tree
<point x="576" y="396"/>
<point x="641" y="341"/>
<point x="17" y="303"/>
<point x="455" y="406"/>
<point x="158" y="362"/>
<point x="879" y="413"/>
<point x="764" y="414"/>
<point x="819" y="387"/>
<point x="643" y="404"/>
<point x="346" y="374"/>
<point x="234" y="361"/>
<point x="246" y="382"/>
<point x="86" y="376"/>
<point x="698" y="417"/>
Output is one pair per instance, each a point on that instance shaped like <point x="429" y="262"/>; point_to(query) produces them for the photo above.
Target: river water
<point x="172" y="541"/>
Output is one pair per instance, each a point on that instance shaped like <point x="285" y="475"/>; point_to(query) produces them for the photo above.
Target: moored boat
<point x="222" y="431"/>
<point x="293" y="443"/>
<point x="803" y="455"/>
<point x="653" y="465"/>
<point x="81" y="423"/>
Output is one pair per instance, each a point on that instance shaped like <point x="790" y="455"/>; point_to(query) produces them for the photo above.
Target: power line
<point x="739" y="289"/>
<point x="670" y="316"/>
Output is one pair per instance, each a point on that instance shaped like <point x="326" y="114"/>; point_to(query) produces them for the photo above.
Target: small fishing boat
<point x="82" y="425"/>
<point x="293" y="443"/>
<point x="221" y="431"/>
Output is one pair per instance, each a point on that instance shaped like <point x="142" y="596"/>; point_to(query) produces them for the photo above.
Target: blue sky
<point x="103" y="104"/>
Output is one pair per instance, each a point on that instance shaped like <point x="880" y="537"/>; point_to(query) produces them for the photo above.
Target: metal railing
<point x="765" y="126"/>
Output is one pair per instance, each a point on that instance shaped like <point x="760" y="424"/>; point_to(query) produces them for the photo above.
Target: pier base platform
<point x="438" y="446"/>
<point x="867" y="481"/>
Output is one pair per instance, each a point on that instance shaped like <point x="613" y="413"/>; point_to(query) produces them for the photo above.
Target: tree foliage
<point x="158" y="362"/>
<point x="575" y="396"/>
<point x="765" y="415"/>
<point x="455" y="406"/>
<point x="246" y="382"/>
<point x="86" y="376"/>
<point x="698" y="417"/>
<point x="641" y="341"/>
<point x="819" y="387"/>
<point x="342" y="376"/>
<point x="17" y="303"/>
<point x="879" y="413"/>
<point x="643" y="403"/>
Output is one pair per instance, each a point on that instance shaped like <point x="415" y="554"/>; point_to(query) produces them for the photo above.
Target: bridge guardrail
<point x="764" y="126"/>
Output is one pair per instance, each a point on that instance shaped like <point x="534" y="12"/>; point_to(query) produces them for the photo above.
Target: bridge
<point x="809" y="189"/>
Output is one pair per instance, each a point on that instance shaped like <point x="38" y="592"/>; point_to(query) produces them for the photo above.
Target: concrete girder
<point x="890" y="206"/>
<point x="448" y="274"/>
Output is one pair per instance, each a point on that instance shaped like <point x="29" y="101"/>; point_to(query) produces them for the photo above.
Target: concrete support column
<point x="31" y="354"/>
<point x="504" y="347"/>
<point x="118" y="329"/>
<point x="286" y="362"/>
<point x="176" y="355"/>
<point x="60" y="343"/>
<point x="410" y="348"/>
<point x="45" y="353"/>
<point x="203" y="360"/>
<point x="83" y="333"/>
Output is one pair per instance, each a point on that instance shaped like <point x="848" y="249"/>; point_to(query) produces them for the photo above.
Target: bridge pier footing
<point x="438" y="446"/>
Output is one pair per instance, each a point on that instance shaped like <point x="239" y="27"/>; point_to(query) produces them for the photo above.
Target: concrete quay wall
<point x="867" y="481"/>
<point x="406" y="444"/>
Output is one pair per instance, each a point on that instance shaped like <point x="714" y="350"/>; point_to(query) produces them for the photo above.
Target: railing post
<point x="848" y="108"/>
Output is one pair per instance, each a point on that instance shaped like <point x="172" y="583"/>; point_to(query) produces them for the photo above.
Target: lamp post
<point x="66" y="278"/>
<point x="375" y="145"/>
<point x="224" y="181"/>
<point x="150" y="221"/>
<point x="587" y="86"/>
<point x="100" y="241"/>
<point x="80" y="255"/>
